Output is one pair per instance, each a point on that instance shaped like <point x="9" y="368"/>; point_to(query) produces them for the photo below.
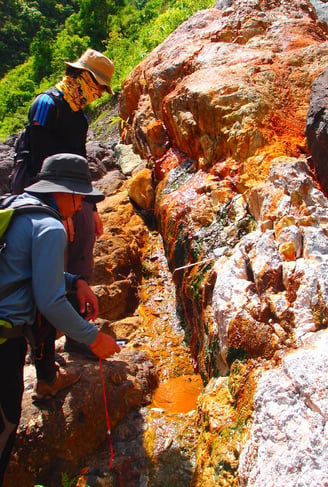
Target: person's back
<point x="55" y="128"/>
<point x="35" y="248"/>
<point x="59" y="125"/>
<point x="33" y="241"/>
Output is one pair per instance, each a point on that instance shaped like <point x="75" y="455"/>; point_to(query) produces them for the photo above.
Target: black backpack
<point x="21" y="175"/>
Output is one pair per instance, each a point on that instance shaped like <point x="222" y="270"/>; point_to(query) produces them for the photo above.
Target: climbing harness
<point x="107" y="416"/>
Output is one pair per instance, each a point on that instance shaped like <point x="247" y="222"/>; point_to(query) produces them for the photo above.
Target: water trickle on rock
<point x="156" y="445"/>
<point x="162" y="335"/>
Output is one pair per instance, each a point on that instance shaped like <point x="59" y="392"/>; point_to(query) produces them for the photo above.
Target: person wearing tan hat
<point x="59" y="125"/>
<point x="98" y="65"/>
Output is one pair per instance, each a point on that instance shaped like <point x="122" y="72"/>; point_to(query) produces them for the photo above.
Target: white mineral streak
<point x="256" y="272"/>
<point x="288" y="443"/>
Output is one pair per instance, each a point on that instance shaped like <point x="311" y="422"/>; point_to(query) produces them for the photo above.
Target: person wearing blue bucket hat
<point x="66" y="173"/>
<point x="33" y="277"/>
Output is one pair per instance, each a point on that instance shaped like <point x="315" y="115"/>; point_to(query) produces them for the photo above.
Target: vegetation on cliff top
<point x="37" y="36"/>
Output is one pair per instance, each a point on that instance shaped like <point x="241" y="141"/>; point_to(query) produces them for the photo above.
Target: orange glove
<point x="104" y="346"/>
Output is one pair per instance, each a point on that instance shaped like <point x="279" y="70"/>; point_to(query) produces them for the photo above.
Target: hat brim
<point x="100" y="81"/>
<point x="92" y="194"/>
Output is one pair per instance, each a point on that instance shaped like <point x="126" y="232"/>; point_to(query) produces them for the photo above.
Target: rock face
<point x="217" y="114"/>
<point x="219" y="110"/>
<point x="6" y="162"/>
<point x="300" y="415"/>
<point x="223" y="94"/>
<point x="72" y="426"/>
<point x="317" y="128"/>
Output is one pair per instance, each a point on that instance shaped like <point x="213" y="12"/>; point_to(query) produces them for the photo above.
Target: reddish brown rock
<point x="230" y="84"/>
<point x="231" y="89"/>
<point x="55" y="438"/>
<point x="118" y="255"/>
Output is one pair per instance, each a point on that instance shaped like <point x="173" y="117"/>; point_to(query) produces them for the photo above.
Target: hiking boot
<point x="43" y="391"/>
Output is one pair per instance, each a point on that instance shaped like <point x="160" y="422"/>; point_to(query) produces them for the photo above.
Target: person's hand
<point x="104" y="346"/>
<point x="88" y="301"/>
<point x="99" y="228"/>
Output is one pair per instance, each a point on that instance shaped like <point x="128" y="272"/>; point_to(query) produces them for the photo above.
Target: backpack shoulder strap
<point x="6" y="214"/>
<point x="42" y="208"/>
<point x="7" y="203"/>
<point x="11" y="206"/>
<point x="11" y="288"/>
<point x="57" y="98"/>
<point x="6" y="200"/>
<point x="27" y="206"/>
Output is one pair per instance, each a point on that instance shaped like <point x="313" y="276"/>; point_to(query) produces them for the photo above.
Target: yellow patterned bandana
<point x="79" y="91"/>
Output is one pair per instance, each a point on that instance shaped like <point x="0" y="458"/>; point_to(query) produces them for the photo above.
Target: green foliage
<point x="92" y="21"/>
<point x="16" y="90"/>
<point x="67" y="482"/>
<point x="125" y="30"/>
<point x="135" y="33"/>
<point x="68" y="47"/>
<point x="41" y="52"/>
<point x="21" y="20"/>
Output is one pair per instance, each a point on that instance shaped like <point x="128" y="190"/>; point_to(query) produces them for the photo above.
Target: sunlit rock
<point x="231" y="89"/>
<point x="127" y="159"/>
<point x="288" y="437"/>
<point x="141" y="189"/>
<point x="218" y="112"/>
<point x="73" y="424"/>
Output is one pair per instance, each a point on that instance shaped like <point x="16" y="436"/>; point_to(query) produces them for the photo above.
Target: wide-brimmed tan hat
<point x="98" y="65"/>
<point x="66" y="173"/>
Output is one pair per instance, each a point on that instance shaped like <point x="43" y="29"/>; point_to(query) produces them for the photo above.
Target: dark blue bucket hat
<point x="66" y="173"/>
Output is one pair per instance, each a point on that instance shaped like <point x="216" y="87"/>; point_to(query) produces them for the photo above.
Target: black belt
<point x="7" y="333"/>
<point x="14" y="332"/>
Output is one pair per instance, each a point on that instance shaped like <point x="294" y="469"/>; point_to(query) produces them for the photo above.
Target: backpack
<point x="20" y="175"/>
<point x="9" y="207"/>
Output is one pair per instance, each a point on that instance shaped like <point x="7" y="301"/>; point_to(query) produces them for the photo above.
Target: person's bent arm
<point x="48" y="281"/>
<point x="87" y="300"/>
<point x="99" y="228"/>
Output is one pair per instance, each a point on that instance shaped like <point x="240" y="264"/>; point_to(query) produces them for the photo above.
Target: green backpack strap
<point x="6" y="215"/>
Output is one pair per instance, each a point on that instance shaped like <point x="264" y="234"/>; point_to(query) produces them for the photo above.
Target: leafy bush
<point x="68" y="47"/>
<point x="131" y="29"/>
<point x="21" y="20"/>
<point x="16" y="90"/>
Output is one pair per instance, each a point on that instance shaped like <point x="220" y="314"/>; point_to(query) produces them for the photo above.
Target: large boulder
<point x="317" y="128"/>
<point x="54" y="438"/>
<point x="243" y="218"/>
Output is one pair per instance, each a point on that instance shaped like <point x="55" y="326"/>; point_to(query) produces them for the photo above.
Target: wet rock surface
<point x="218" y="112"/>
<point x="242" y="211"/>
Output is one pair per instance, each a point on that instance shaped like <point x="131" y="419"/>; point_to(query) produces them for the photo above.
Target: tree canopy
<point x="37" y="36"/>
<point x="20" y="21"/>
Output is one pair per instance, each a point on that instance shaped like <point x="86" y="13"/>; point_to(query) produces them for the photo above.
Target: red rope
<point x="107" y="416"/>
